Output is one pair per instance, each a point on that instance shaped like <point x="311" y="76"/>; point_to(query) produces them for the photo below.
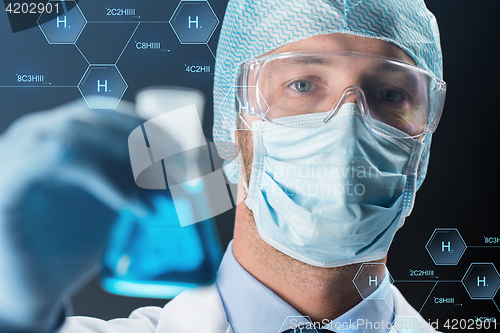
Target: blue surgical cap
<point x="252" y="28"/>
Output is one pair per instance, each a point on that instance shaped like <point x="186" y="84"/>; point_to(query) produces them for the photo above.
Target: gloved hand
<point x="64" y="174"/>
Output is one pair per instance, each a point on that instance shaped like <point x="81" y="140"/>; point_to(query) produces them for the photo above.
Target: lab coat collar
<point x="198" y="310"/>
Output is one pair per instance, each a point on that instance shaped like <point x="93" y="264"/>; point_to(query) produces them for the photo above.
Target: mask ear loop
<point x="411" y="180"/>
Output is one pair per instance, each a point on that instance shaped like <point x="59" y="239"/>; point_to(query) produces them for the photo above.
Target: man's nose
<point x="352" y="97"/>
<point x="348" y="82"/>
<point x="351" y="94"/>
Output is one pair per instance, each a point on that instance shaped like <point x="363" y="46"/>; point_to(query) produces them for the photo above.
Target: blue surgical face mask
<point x="331" y="194"/>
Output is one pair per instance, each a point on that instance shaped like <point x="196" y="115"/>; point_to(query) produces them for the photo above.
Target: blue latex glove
<point x="64" y="174"/>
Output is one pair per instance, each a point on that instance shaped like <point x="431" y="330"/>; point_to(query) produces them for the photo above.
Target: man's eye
<point x="301" y="86"/>
<point x="391" y="96"/>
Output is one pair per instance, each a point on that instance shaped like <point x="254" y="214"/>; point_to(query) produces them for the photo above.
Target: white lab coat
<point x="194" y="311"/>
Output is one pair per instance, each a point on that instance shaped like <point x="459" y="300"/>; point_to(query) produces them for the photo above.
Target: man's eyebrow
<point x="390" y="67"/>
<point x="411" y="75"/>
<point x="312" y="60"/>
<point x="284" y="64"/>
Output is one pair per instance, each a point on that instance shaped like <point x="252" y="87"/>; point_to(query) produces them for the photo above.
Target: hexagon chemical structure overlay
<point x="368" y="281"/>
<point x="446" y="246"/>
<point x="231" y="95"/>
<point x="63" y="24"/>
<point x="102" y="85"/>
<point x="194" y="22"/>
<point x="481" y="280"/>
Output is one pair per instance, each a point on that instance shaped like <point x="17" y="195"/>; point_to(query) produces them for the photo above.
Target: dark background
<point x="461" y="189"/>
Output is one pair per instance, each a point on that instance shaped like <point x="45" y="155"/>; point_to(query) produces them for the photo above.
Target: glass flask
<point x="152" y="255"/>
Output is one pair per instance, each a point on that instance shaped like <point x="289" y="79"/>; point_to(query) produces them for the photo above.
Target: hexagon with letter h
<point x="481" y="280"/>
<point x="446" y="246"/>
<point x="62" y="22"/>
<point x="102" y="86"/>
<point x="194" y="22"/>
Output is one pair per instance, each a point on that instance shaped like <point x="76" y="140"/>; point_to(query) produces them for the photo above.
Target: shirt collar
<point x="375" y="313"/>
<point x="252" y="307"/>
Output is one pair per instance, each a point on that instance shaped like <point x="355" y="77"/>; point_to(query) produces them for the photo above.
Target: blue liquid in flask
<point x="154" y="257"/>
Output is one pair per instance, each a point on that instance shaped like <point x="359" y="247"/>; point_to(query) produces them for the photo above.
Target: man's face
<point x="349" y="77"/>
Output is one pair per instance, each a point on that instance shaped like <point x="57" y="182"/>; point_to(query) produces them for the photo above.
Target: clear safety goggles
<point x="398" y="94"/>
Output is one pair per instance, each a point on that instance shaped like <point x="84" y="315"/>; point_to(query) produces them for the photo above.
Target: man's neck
<point x="323" y="294"/>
